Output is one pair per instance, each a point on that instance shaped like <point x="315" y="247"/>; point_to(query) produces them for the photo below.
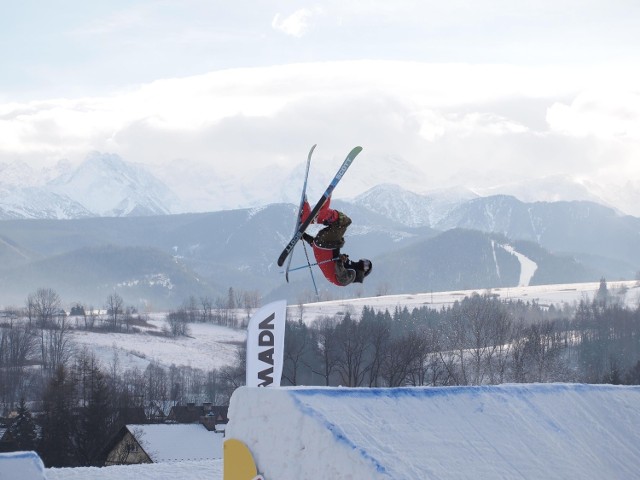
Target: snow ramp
<point x="21" y="466"/>
<point x="519" y="431"/>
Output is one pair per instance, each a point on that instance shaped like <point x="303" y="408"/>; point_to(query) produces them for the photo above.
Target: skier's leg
<point x="327" y="215"/>
<point x="306" y="210"/>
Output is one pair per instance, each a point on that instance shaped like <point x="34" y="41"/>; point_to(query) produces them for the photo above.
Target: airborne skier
<point x="327" y="244"/>
<point x="335" y="266"/>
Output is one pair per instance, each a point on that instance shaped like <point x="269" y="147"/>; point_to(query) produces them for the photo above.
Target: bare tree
<point x="44" y="305"/>
<point x="178" y="322"/>
<point x="59" y="349"/>
<point x="115" y="308"/>
<point x="454" y="356"/>
<point x="55" y="349"/>
<point x="295" y="347"/>
<point x="378" y="330"/>
<point x="206" y="309"/>
<point x="352" y="346"/>
<point x="401" y="357"/>
<point x="327" y="347"/>
<point x="17" y="345"/>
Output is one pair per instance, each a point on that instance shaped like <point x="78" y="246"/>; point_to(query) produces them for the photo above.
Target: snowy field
<point x="208" y="346"/>
<point x="545" y="295"/>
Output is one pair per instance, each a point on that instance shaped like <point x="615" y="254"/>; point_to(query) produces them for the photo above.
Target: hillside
<point x="160" y="261"/>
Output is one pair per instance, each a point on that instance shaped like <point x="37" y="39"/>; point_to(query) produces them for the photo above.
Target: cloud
<point x="296" y="24"/>
<point x="458" y="123"/>
<point x="605" y="114"/>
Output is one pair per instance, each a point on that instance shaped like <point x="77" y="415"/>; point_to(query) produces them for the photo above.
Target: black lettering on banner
<point x="266" y="323"/>
<point x="266" y="339"/>
<point x="264" y="375"/>
<point x="266" y="356"/>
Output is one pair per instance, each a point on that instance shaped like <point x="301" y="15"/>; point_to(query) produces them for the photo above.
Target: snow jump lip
<point x="513" y="430"/>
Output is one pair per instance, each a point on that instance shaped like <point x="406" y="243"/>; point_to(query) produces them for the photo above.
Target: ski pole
<point x="312" y="264"/>
<point x="313" y="278"/>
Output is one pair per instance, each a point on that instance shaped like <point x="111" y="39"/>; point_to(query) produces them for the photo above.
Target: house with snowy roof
<point x="211" y="416"/>
<point x="7" y="443"/>
<point x="162" y="443"/>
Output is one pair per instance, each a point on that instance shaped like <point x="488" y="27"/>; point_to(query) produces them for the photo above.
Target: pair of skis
<point x="303" y="199"/>
<point x="302" y="226"/>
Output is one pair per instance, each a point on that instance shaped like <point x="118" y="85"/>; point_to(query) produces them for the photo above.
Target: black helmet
<point x="363" y="268"/>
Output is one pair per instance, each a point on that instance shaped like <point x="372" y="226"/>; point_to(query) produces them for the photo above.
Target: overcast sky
<point x="477" y="92"/>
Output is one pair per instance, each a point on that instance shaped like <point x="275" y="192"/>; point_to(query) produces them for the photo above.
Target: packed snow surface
<point x="528" y="431"/>
<point x="190" y="470"/>
<point x="21" y="466"/>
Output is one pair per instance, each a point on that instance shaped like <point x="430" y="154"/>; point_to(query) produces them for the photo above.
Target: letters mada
<point x="266" y="338"/>
<point x="265" y="345"/>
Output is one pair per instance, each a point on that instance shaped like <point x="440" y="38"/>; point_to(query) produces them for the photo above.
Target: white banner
<point x="265" y="345"/>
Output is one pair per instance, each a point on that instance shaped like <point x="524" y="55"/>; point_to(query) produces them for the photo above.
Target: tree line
<point x="478" y="340"/>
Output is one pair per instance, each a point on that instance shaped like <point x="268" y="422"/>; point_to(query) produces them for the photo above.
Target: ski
<point x="303" y="226"/>
<point x="303" y="197"/>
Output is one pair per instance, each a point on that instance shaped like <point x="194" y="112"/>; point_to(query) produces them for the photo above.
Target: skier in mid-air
<point x="335" y="266"/>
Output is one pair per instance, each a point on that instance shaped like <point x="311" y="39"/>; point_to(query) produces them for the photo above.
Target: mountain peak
<point x="109" y="186"/>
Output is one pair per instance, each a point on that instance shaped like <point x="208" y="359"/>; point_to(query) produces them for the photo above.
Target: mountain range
<point x="104" y="185"/>
<point x="111" y="226"/>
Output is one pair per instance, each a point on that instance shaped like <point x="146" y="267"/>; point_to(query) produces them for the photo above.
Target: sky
<point x="478" y="93"/>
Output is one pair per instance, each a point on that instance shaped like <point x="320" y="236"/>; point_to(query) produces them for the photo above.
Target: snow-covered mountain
<point x="102" y="185"/>
<point x="39" y="203"/>
<point x="413" y="209"/>
<point x="108" y="186"/>
<point x="18" y="174"/>
<point x="623" y="198"/>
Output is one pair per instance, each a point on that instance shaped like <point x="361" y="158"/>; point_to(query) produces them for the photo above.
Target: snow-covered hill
<point x="628" y="292"/>
<point x="207" y="347"/>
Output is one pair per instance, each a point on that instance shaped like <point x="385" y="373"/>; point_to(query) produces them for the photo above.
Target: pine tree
<point x="23" y="430"/>
<point x="96" y="420"/>
<point x="58" y="421"/>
